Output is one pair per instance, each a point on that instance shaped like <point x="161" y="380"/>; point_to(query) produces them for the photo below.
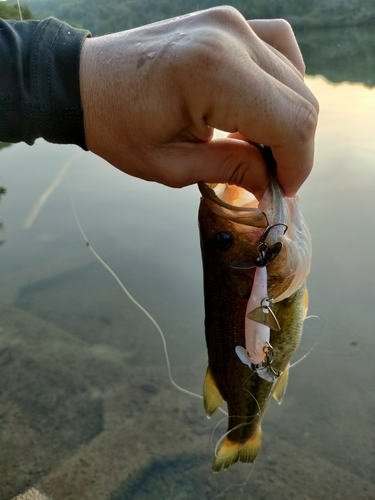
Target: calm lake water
<point x="86" y="407"/>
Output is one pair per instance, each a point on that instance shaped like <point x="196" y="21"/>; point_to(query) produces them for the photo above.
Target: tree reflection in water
<point x="340" y="54"/>
<point x="2" y="189"/>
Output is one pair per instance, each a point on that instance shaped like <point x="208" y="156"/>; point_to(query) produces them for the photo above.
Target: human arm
<point x="152" y="96"/>
<point x="39" y="86"/>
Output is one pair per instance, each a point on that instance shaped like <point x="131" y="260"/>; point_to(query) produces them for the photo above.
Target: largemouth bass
<point x="256" y="258"/>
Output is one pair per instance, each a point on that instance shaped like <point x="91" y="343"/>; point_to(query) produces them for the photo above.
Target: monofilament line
<point x="137" y="304"/>
<point x="19" y="10"/>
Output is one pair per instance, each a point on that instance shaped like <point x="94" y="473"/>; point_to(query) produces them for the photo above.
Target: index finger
<point x="277" y="112"/>
<point x="288" y="126"/>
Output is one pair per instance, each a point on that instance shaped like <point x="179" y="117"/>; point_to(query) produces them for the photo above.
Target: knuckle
<point x="307" y="120"/>
<point x="284" y="27"/>
<point x="238" y="175"/>
<point x="225" y="14"/>
<point x="201" y="56"/>
<point x="236" y="169"/>
<point x="215" y="31"/>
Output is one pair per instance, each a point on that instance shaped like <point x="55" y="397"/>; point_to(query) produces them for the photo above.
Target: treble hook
<point x="266" y="253"/>
<point x="264" y="369"/>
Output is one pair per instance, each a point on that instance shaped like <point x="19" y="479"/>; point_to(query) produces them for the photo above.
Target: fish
<point x="256" y="257"/>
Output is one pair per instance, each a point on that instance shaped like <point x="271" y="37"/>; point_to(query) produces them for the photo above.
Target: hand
<point x="153" y="95"/>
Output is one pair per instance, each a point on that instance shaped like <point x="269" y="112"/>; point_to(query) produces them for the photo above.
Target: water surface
<point x="87" y="410"/>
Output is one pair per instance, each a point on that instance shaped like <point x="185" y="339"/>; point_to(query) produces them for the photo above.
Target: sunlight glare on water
<point x="346" y="130"/>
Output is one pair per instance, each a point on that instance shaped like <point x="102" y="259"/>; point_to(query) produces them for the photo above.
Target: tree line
<point x="105" y="16"/>
<point x="12" y="11"/>
<point x="345" y="54"/>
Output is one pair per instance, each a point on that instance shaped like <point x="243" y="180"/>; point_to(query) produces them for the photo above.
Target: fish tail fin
<point x="211" y="395"/>
<point x="230" y="452"/>
<point x="280" y="388"/>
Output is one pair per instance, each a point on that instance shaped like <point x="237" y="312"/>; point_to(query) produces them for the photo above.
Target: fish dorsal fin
<point x="230" y="451"/>
<point x="265" y="316"/>
<point x="281" y="385"/>
<point x="211" y="395"/>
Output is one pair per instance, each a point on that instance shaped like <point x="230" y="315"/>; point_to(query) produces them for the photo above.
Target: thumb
<point x="227" y="160"/>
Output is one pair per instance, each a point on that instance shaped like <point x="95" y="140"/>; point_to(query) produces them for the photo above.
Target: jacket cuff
<point x="40" y="88"/>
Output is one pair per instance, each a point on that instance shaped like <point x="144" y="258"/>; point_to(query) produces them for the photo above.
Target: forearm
<point x="39" y="86"/>
<point x="151" y="97"/>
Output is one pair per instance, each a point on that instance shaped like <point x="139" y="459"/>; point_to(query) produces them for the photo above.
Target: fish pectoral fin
<point x="211" y="395"/>
<point x="231" y="452"/>
<point x="280" y="387"/>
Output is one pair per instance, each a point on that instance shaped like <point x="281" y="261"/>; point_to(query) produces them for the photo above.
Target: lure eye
<point x="222" y="240"/>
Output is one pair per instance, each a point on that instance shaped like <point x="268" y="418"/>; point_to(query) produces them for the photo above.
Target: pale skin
<point x="153" y="95"/>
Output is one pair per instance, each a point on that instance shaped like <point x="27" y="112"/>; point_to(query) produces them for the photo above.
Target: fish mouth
<point x="242" y="208"/>
<point x="237" y="199"/>
<point x="255" y="219"/>
<point x="228" y="201"/>
<point x="222" y="194"/>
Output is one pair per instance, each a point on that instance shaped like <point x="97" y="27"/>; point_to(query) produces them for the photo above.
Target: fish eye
<point x="222" y="240"/>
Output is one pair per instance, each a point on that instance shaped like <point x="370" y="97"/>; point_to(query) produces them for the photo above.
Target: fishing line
<point x="34" y="212"/>
<point x="241" y="487"/>
<point x="216" y="446"/>
<point x="312" y="316"/>
<point x="252" y="374"/>
<point x="136" y="303"/>
<point x="219" y="442"/>
<point x="221" y="439"/>
<point x="19" y="10"/>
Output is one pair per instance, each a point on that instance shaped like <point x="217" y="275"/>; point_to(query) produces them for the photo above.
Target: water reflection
<point x="342" y="54"/>
<point x="88" y="411"/>
<point x="2" y="192"/>
<point x="4" y="144"/>
<point x="339" y="203"/>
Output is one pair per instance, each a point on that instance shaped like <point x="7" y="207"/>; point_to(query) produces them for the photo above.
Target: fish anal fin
<point x="280" y="388"/>
<point x="231" y="452"/>
<point x="211" y="395"/>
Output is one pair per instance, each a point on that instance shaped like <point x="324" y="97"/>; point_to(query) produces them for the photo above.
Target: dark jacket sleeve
<point x="39" y="82"/>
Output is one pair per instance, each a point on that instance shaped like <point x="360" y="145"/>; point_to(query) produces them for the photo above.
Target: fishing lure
<point x="259" y="317"/>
